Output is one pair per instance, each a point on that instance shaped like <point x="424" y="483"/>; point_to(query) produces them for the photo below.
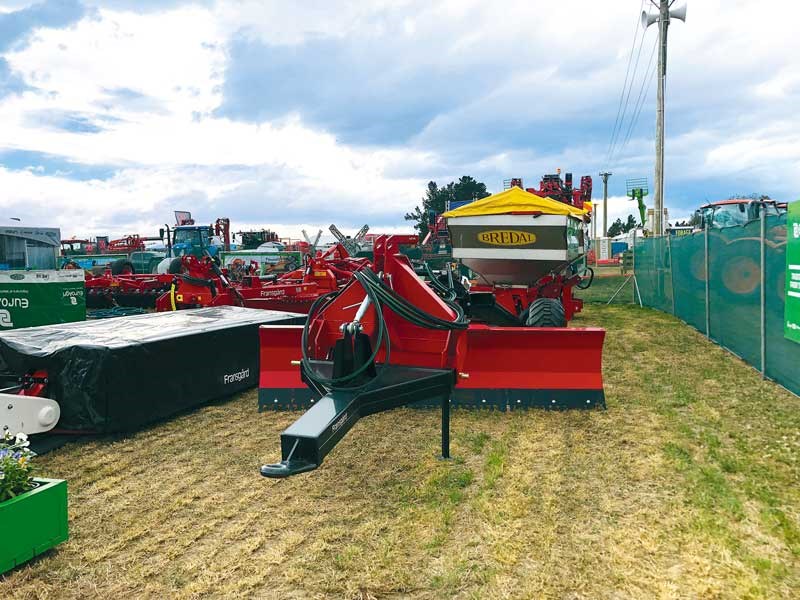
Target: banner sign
<point x="30" y="298"/>
<point x="792" y="310"/>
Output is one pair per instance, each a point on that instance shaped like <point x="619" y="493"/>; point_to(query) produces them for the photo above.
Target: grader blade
<point x="508" y="368"/>
<point x="280" y="386"/>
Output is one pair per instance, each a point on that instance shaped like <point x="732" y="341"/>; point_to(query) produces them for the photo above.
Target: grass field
<point x="607" y="280"/>
<point x="686" y="487"/>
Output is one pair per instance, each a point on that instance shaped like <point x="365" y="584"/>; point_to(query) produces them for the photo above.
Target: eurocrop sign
<point x="30" y="298"/>
<point x="792" y="310"/>
<point x="507" y="237"/>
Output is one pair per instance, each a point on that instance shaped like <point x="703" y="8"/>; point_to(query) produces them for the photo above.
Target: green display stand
<point x="31" y="298"/>
<point x="33" y="522"/>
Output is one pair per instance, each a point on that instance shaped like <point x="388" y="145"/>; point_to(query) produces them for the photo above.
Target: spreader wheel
<point x="546" y="312"/>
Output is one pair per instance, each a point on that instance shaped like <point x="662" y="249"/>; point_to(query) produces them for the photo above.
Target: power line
<point x="625" y="84"/>
<point x="630" y="89"/>
<point x="632" y="126"/>
<point x="644" y="91"/>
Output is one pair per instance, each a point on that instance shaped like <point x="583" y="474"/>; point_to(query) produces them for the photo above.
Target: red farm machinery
<point x="200" y="282"/>
<point x="387" y="339"/>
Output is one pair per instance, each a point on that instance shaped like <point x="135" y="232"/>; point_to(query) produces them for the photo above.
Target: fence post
<point x="671" y="277"/>
<point x="633" y="264"/>
<point x="708" y="278"/>
<point x="763" y="294"/>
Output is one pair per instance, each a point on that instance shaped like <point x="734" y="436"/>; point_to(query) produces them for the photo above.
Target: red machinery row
<point x="201" y="283"/>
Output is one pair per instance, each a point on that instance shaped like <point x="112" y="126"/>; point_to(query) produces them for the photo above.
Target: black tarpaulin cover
<point x="116" y="375"/>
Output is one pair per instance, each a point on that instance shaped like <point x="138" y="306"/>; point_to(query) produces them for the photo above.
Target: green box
<point x="31" y="298"/>
<point x="792" y="309"/>
<point x="33" y="522"/>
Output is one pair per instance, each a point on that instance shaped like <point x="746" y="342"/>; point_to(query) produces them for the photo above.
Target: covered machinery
<point x="120" y="374"/>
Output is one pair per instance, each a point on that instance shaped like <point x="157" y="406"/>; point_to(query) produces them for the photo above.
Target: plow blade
<point x="280" y="386"/>
<point x="509" y="368"/>
<point x="506" y="368"/>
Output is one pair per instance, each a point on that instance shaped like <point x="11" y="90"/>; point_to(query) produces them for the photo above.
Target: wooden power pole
<point x="662" y="18"/>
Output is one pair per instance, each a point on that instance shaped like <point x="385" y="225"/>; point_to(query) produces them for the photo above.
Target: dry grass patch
<point x="687" y="486"/>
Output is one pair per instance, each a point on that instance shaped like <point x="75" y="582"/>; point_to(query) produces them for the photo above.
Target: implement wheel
<point x="176" y="266"/>
<point x="546" y="312"/>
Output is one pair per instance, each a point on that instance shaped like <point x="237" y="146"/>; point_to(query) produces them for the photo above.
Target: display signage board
<point x="30" y="298"/>
<point x="792" y="309"/>
<point x="605" y="249"/>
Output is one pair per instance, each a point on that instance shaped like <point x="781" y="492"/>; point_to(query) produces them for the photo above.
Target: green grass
<point x="606" y="282"/>
<point x="686" y="487"/>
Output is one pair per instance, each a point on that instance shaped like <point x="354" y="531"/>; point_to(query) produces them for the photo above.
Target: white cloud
<point x="733" y="90"/>
<point x="174" y="153"/>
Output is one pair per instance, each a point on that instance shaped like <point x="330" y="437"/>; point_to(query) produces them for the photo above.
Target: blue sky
<point x="299" y="114"/>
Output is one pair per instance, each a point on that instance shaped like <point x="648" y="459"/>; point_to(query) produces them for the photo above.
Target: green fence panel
<point x="689" y="279"/>
<point x="653" y="273"/>
<point x="676" y="271"/>
<point x="735" y="290"/>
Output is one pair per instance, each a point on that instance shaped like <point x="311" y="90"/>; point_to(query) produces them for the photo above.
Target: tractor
<point x="187" y="238"/>
<point x="736" y="211"/>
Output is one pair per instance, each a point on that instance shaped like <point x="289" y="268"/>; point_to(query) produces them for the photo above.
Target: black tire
<point x="546" y="312"/>
<point x="122" y="266"/>
<point x="587" y="277"/>
<point x="175" y="266"/>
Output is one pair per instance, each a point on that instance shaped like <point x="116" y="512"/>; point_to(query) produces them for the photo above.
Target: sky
<point x="295" y="115"/>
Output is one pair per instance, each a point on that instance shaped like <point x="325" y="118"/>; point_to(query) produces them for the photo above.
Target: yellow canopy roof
<point x="512" y="200"/>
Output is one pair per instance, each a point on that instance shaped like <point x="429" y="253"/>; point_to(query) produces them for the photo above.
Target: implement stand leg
<point x="445" y="427"/>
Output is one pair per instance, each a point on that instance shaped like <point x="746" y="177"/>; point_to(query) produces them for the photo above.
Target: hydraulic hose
<point x="380" y="295"/>
<point x="449" y="293"/>
<point x="406" y="310"/>
<point x="340" y="382"/>
<point x="581" y="285"/>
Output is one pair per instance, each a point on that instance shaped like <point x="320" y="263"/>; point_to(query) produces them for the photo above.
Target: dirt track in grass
<point x="687" y="486"/>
